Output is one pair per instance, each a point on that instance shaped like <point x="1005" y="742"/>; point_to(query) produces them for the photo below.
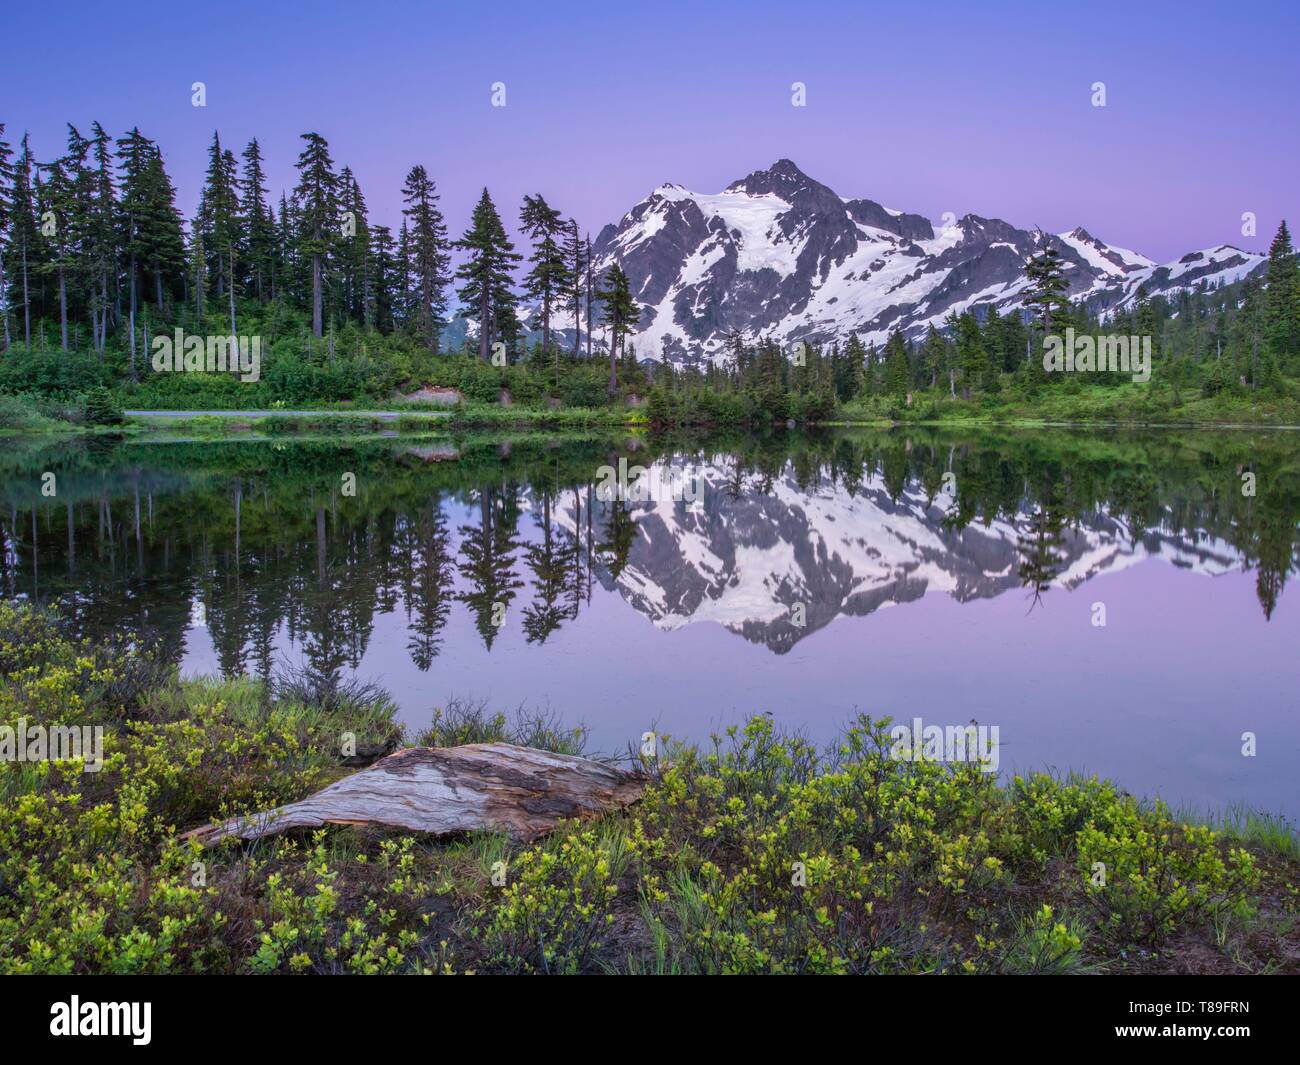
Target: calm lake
<point x="1113" y="603"/>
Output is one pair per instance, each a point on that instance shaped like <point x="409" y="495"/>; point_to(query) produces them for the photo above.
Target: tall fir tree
<point x="896" y="372"/>
<point x="219" y="222"/>
<point x="1282" y="301"/>
<point x="575" y="251"/>
<point x="589" y="262"/>
<point x="6" y="222"/>
<point x="971" y="356"/>
<point x="934" y="356"/>
<point x="855" y="353"/>
<point x="163" y="229"/>
<point x="259" y="224"/>
<point x="383" y="259"/>
<point x="101" y="235"/>
<point x="541" y="223"/>
<point x="317" y="216"/>
<point x="486" y="294"/>
<point x="621" y="315"/>
<point x="354" y="250"/>
<point x="1047" y="288"/>
<point x="24" y="235"/>
<point x="57" y="208"/>
<point x="429" y="262"/>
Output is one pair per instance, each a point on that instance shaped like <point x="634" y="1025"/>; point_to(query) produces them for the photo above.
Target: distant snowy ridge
<point x="777" y="254"/>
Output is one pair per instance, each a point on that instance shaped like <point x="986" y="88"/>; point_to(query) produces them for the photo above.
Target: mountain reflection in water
<point x="480" y="565"/>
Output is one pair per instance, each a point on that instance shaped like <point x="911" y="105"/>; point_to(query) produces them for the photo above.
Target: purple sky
<point x="926" y="108"/>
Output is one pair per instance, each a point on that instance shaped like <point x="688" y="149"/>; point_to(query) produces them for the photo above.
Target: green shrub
<point x="755" y="854"/>
<point x="101" y="408"/>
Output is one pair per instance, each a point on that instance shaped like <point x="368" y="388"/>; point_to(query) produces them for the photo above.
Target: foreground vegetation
<point x="757" y="854"/>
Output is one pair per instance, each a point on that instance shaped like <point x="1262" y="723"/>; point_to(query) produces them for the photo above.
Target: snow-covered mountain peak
<point x="779" y="254"/>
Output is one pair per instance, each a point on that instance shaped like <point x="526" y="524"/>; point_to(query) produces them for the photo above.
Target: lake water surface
<point x="943" y="576"/>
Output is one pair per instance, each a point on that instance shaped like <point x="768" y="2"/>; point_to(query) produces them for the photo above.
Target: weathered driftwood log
<point x="442" y="790"/>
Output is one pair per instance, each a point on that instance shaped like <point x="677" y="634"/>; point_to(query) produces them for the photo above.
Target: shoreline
<point x="760" y="855"/>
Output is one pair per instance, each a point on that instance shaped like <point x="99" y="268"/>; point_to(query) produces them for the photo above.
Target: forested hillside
<point x="99" y="262"/>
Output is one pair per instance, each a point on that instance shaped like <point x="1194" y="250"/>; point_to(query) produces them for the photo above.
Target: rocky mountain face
<point x="777" y="565"/>
<point x="778" y="254"/>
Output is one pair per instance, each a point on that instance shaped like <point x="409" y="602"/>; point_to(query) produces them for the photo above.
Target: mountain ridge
<point x="779" y="254"/>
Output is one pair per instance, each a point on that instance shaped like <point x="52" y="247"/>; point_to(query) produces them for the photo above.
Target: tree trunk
<point x="131" y="315"/>
<point x="483" y="337"/>
<point x="315" y="295"/>
<point x="320" y="546"/>
<point x="234" y="329"/>
<point x="480" y="787"/>
<point x="103" y="330"/>
<point x="2" y="289"/>
<point x="27" y="305"/>
<point x="613" y="364"/>
<point x="63" y="308"/>
<point x="589" y="330"/>
<point x="546" y="322"/>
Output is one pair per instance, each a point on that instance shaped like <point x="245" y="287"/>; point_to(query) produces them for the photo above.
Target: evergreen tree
<point x="218" y="216"/>
<point x="855" y="355"/>
<point x="383" y="277"/>
<point x="1251" y="328"/>
<point x="149" y="226"/>
<point x="219" y="223"/>
<point x="198" y="272"/>
<point x="81" y="180"/>
<point x="162" y="229"/>
<point x="486" y="293"/>
<point x="992" y="335"/>
<point x="589" y="264"/>
<point x="354" y="250"/>
<point x="1015" y="340"/>
<point x="934" y="356"/>
<point x="620" y="315"/>
<point x="259" y="222"/>
<point x="402" y="284"/>
<point x="575" y="252"/>
<point x="101" y="237"/>
<point x="548" y="276"/>
<point x="317" y="216"/>
<point x="951" y="360"/>
<point x="284" y="280"/>
<point x="57" y="208"/>
<point x="6" y="221"/>
<point x="896" y="365"/>
<point x="429" y="261"/>
<point x="1047" y="289"/>
<point x="23" y="242"/>
<point x="1282" y="301"/>
<point x="971" y="355"/>
<point x="871" y="381"/>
